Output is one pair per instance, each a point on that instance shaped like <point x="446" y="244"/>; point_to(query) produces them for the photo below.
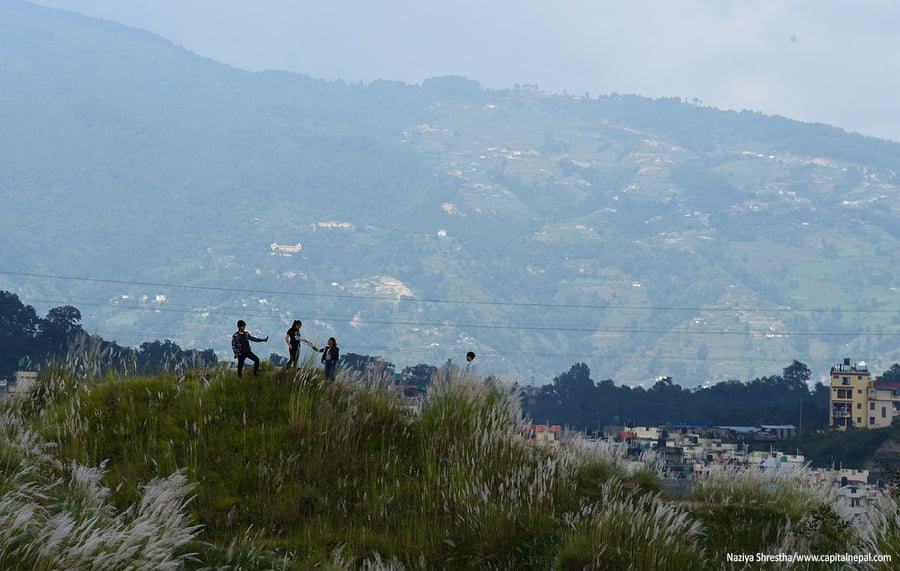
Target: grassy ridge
<point x="854" y="448"/>
<point x="289" y="471"/>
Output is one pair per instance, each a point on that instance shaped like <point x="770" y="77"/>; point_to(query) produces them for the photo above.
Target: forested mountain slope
<point x="166" y="196"/>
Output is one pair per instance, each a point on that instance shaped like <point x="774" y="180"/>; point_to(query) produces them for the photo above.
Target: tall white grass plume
<point x="626" y="530"/>
<point x="59" y="516"/>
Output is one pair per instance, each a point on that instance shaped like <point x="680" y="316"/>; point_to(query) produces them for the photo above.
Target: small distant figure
<point x="240" y="344"/>
<point x="470" y="356"/>
<point x="330" y="355"/>
<point x="293" y="339"/>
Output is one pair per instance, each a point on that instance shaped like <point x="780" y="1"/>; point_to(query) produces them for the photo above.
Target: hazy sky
<point x="827" y="61"/>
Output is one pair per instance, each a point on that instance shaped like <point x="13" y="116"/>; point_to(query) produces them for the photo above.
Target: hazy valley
<point x="166" y="196"/>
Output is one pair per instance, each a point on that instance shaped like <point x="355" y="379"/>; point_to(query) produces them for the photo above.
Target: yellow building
<point x="849" y="395"/>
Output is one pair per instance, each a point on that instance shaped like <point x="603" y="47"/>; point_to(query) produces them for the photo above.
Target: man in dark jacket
<point x="240" y="344"/>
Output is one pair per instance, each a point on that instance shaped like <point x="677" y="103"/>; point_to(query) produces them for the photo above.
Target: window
<point x="871" y="406"/>
<point x="858" y="421"/>
<point x="871" y="420"/>
<point x="884" y="412"/>
<point x="858" y="405"/>
<point x="845" y="381"/>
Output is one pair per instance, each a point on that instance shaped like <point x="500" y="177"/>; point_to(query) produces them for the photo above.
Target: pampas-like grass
<point x="299" y="471"/>
<point x="69" y="525"/>
<point x="625" y="530"/>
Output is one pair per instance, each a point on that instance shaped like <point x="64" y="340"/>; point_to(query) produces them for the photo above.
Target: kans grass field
<point x="102" y="469"/>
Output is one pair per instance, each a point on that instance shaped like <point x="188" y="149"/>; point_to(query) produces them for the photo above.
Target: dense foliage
<point x="575" y="400"/>
<point x="29" y="342"/>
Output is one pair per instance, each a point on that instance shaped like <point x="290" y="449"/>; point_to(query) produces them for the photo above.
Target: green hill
<point x="857" y="449"/>
<point x="287" y="471"/>
<point x="167" y="196"/>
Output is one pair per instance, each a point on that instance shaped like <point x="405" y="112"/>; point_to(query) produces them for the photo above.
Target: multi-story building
<point x="849" y="395"/>
<point x="880" y="411"/>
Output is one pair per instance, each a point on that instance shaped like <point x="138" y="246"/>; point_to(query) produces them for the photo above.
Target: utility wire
<point x="257" y="292"/>
<point x="357" y="320"/>
<point x="184" y="309"/>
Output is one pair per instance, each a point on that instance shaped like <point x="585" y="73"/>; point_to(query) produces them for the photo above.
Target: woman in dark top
<point x="293" y="339"/>
<point x="330" y="355"/>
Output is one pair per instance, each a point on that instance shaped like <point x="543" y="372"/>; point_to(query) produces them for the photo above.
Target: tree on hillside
<point x="574" y="400"/>
<point x="277" y="360"/>
<point x="18" y="328"/>
<point x="58" y="327"/>
<point x="156" y="356"/>
<point x="892" y="375"/>
<point x="23" y="333"/>
<point x="66" y="317"/>
<point x="796" y="374"/>
<point x="417" y="375"/>
<point x="365" y="364"/>
<point x="665" y="401"/>
<point x="575" y="385"/>
<point x="571" y="399"/>
<point x="15" y="316"/>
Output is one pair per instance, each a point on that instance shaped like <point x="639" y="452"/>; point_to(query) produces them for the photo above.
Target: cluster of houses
<point x="688" y="450"/>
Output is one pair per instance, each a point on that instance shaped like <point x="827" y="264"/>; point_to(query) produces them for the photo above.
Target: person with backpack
<point x="293" y="339"/>
<point x="240" y="344"/>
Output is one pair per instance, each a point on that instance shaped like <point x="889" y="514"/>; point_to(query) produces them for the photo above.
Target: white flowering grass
<point x="288" y="466"/>
<point x="626" y="530"/>
<point x="772" y="512"/>
<point x="880" y="531"/>
<point x="66" y="521"/>
<point x="794" y="486"/>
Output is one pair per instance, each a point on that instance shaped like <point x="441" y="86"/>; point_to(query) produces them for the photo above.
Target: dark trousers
<point x="253" y="358"/>
<point x="295" y="357"/>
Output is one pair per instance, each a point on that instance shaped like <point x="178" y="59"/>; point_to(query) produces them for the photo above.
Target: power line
<point x="409" y="299"/>
<point x="147" y="305"/>
<point x="187" y="310"/>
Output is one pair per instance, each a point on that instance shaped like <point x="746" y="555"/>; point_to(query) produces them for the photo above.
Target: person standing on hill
<point x="240" y="344"/>
<point x="330" y="355"/>
<point x="470" y="356"/>
<point x="293" y="339"/>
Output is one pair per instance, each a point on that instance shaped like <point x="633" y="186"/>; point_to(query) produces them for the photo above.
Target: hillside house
<point x="285" y="249"/>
